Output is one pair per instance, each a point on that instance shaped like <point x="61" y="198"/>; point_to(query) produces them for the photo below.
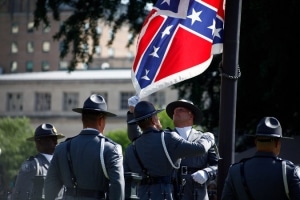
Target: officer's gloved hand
<point x="209" y="137"/>
<point x="132" y="101"/>
<point x="200" y="176"/>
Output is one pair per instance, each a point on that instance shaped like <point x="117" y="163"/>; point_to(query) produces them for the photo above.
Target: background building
<point x="50" y="96"/>
<point x="25" y="49"/>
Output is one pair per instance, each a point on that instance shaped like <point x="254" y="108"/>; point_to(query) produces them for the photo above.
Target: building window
<point x="13" y="66"/>
<point x="63" y="65"/>
<point x="158" y="99"/>
<point x="124" y="99"/>
<point x="46" y="46"/>
<point x="98" y="50"/>
<point x="42" y="101"/>
<point x="61" y="46"/>
<point x="14" y="101"/>
<point x="15" y="28"/>
<point x="111" y="52"/>
<point x="45" y="66"/>
<point x="70" y="100"/>
<point x="98" y="30"/>
<point x="14" y="47"/>
<point x="30" y="48"/>
<point x="30" y="27"/>
<point x="130" y="55"/>
<point x="29" y="66"/>
<point x="103" y="94"/>
<point x="85" y="48"/>
<point x="47" y="29"/>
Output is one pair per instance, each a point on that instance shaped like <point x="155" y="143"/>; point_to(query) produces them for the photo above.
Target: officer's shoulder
<point x="242" y="161"/>
<point x="108" y="140"/>
<point x="30" y="159"/>
<point x="288" y="162"/>
<point x="28" y="165"/>
<point x="168" y="130"/>
<point x="69" y="138"/>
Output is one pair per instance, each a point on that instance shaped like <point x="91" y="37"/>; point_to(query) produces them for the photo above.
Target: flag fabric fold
<point x="177" y="42"/>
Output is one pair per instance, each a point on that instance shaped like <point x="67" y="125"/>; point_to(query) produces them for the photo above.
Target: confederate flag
<point x="177" y="42"/>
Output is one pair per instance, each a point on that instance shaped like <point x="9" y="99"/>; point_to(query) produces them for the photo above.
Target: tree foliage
<point x="74" y="34"/>
<point x="120" y="137"/>
<point x="14" y="147"/>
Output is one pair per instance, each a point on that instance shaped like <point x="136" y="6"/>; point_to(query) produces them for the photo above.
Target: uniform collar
<point x="263" y="153"/>
<point x="184" y="131"/>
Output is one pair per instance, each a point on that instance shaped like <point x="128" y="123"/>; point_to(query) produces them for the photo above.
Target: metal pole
<point x="230" y="74"/>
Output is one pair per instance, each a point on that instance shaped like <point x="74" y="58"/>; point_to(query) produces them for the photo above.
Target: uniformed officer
<point x="30" y="179"/>
<point x="195" y="172"/>
<point x="265" y="175"/>
<point x="89" y="165"/>
<point x="155" y="154"/>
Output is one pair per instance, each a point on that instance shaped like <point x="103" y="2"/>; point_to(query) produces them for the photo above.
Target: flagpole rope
<point x="229" y="76"/>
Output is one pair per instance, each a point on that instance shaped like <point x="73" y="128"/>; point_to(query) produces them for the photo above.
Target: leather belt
<point x="156" y="180"/>
<point x="185" y="170"/>
<point x="84" y="193"/>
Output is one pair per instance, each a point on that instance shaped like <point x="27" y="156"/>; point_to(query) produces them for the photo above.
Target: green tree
<point x="14" y="147"/>
<point x="73" y="32"/>
<point x="120" y="137"/>
<point x="165" y="120"/>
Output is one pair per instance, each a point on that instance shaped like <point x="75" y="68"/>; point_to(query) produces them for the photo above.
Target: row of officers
<point x="158" y="164"/>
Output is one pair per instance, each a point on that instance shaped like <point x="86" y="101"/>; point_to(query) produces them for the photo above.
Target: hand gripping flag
<point x="177" y="42"/>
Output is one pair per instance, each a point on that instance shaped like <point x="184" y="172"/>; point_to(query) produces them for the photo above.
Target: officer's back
<point x="264" y="176"/>
<point x="89" y="165"/>
<point x="156" y="153"/>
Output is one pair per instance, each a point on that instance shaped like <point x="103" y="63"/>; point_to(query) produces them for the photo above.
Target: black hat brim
<point x="270" y="136"/>
<point x="80" y="110"/>
<point x="196" y="111"/>
<point x="59" y="136"/>
<point x="144" y="117"/>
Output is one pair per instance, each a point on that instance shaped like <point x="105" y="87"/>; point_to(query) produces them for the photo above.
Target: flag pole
<point x="229" y="76"/>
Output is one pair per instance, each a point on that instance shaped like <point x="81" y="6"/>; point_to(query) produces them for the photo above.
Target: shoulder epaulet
<point x="280" y="159"/>
<point x="134" y="139"/>
<point x="288" y="162"/>
<point x="245" y="159"/>
<point x="69" y="138"/>
<point x="30" y="158"/>
<point x="168" y="129"/>
<point x="107" y="139"/>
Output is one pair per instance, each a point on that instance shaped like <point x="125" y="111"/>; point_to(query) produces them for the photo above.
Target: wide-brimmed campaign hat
<point x="45" y="130"/>
<point x="186" y="104"/>
<point x="143" y="110"/>
<point x="95" y="103"/>
<point x="269" y="127"/>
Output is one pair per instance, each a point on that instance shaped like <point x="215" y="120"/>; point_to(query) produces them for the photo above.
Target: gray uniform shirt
<point x="263" y="177"/>
<point x="150" y="150"/>
<point x="25" y="179"/>
<point x="207" y="162"/>
<point x="85" y="155"/>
